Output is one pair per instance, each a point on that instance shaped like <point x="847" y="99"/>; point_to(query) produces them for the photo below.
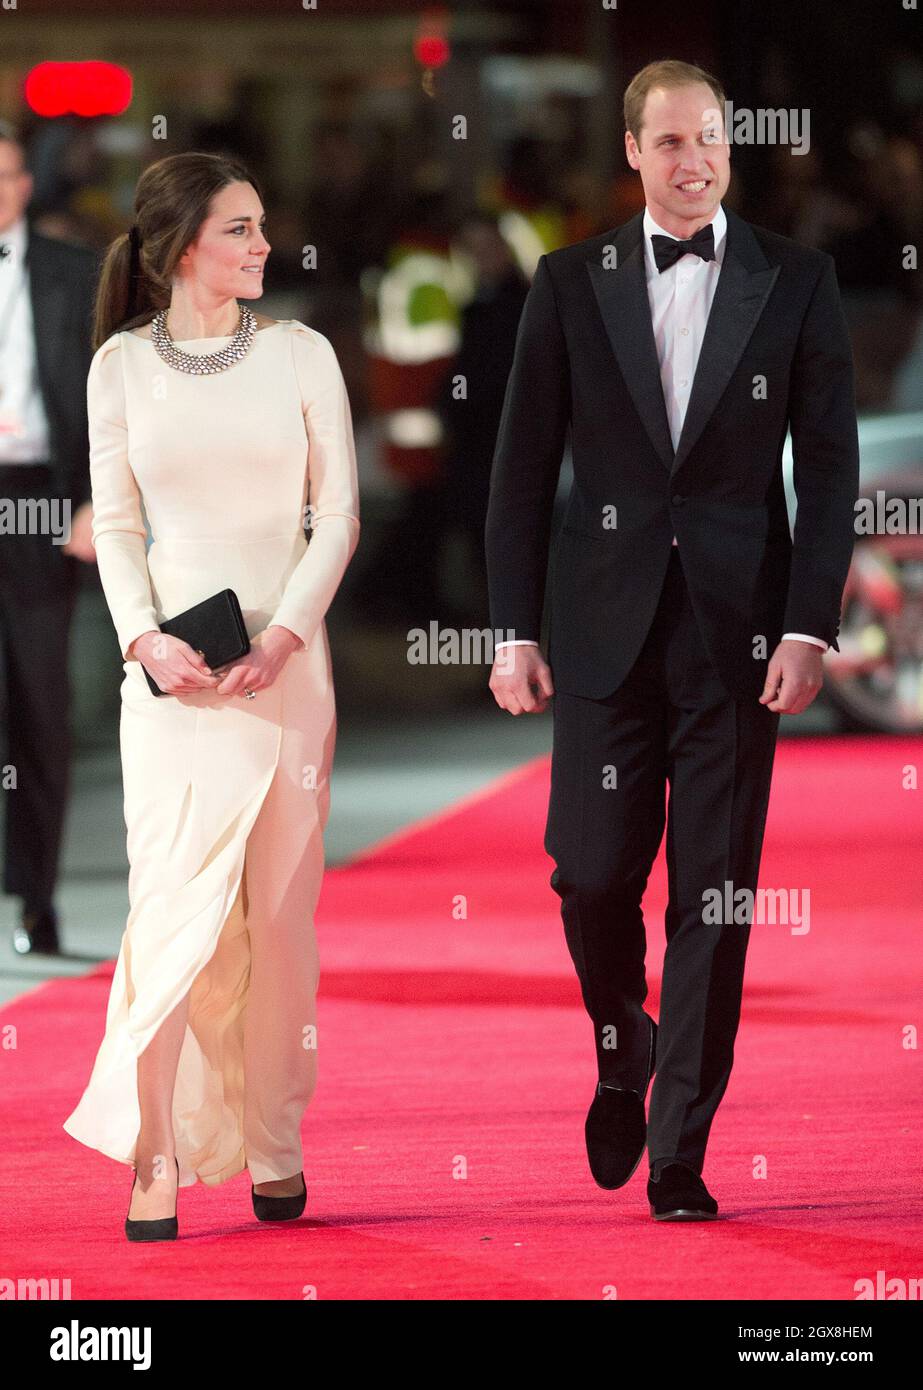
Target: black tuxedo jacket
<point x="775" y="354"/>
<point x="62" y="284"/>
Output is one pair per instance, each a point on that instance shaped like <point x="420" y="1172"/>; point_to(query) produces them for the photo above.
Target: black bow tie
<point x="6" y="251"/>
<point x="667" y="250"/>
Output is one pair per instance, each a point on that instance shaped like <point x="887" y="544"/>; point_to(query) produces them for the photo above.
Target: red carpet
<point x="444" y="1149"/>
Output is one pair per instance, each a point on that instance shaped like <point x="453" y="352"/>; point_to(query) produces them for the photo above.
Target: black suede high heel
<point x="279" y="1208"/>
<point x="163" y="1228"/>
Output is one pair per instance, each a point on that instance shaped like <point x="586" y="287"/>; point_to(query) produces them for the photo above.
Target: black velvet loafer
<point x="679" y="1194"/>
<point x="616" y="1127"/>
<point x="279" y="1208"/>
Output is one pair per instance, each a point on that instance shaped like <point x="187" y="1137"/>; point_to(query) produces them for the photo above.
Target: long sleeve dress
<point x="225" y="798"/>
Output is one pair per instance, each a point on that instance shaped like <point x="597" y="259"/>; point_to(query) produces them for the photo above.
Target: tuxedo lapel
<point x="621" y="293"/>
<point x="48" y="293"/>
<point x="744" y="285"/>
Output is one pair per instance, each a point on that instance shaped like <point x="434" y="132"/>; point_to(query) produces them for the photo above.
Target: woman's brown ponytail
<point x="172" y="200"/>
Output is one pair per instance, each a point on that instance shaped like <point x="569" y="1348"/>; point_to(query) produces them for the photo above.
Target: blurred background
<point x="431" y="155"/>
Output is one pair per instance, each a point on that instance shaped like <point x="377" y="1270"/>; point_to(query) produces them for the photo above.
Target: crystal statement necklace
<point x="202" y="364"/>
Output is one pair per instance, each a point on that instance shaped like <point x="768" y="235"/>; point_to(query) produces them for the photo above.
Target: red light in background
<point x="78" y="89"/>
<point x="431" y="47"/>
<point x="431" y="50"/>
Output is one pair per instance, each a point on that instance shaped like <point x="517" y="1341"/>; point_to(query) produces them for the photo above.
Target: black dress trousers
<point x="38" y="589"/>
<point x="670" y="746"/>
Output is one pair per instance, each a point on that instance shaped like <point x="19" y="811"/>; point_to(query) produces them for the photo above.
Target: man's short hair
<point x="9" y="132"/>
<point x="668" y="72"/>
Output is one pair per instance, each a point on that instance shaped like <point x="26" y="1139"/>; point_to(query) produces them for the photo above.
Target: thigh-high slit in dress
<point x="225" y="798"/>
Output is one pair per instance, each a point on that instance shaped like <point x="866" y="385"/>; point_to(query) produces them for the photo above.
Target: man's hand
<point x="794" y="677"/>
<point x="80" y="541"/>
<point x="521" y="680"/>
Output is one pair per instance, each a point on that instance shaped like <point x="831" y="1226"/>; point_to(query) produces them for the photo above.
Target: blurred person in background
<point x="797" y="199"/>
<point x="412" y="340"/>
<point x="471" y="419"/>
<point x="46" y="302"/>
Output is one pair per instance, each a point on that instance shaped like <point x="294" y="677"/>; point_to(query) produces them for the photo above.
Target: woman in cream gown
<point x="225" y="796"/>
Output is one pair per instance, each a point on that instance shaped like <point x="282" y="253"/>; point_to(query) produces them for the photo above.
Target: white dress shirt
<point x="680" y="299"/>
<point x="24" y="435"/>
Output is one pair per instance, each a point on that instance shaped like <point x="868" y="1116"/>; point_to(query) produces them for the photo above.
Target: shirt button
<point x="684" y="332"/>
<point x="685" y="381"/>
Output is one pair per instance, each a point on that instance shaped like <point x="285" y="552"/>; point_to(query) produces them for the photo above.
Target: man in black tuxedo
<point x="684" y="618"/>
<point x="46" y="302"/>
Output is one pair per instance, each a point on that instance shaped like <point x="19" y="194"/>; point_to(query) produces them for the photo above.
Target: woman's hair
<point x="172" y="200"/>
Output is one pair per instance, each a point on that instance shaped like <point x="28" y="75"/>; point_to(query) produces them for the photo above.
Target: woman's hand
<point x="269" y="651"/>
<point x="176" y="667"/>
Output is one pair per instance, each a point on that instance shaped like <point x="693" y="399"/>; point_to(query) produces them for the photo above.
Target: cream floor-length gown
<point x="225" y="798"/>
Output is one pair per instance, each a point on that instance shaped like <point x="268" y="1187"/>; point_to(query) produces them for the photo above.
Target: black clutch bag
<point x="215" y="627"/>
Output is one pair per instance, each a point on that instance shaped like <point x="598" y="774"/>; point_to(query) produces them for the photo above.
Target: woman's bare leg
<point x="154" y="1194"/>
